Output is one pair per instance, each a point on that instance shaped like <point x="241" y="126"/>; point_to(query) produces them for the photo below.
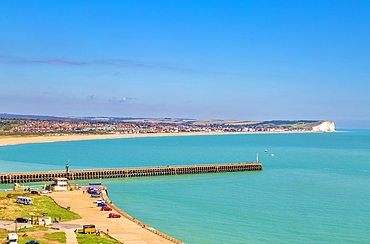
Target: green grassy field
<point x="43" y="205"/>
<point x="45" y="235"/>
<point x="56" y="236"/>
<point x="102" y="239"/>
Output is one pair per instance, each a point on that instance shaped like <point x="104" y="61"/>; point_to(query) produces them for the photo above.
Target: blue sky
<point x="246" y="60"/>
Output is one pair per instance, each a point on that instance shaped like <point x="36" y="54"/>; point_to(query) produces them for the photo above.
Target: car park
<point x="106" y="208"/>
<point x="114" y="215"/>
<point x="21" y="220"/>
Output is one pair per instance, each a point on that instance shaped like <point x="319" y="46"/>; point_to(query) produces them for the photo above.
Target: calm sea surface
<point x="315" y="189"/>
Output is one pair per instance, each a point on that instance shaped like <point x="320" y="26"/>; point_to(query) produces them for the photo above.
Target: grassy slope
<point x="56" y="236"/>
<point x="102" y="239"/>
<point x="42" y="205"/>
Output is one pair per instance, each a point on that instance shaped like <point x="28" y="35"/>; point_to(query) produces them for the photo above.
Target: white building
<point x="60" y="184"/>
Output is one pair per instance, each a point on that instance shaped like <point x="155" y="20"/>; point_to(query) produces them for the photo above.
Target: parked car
<point x="24" y="200"/>
<point x="92" y="191"/>
<point x="34" y="192"/>
<point x="114" y="215"/>
<point x="106" y="208"/>
<point x="95" y="195"/>
<point x="99" y="201"/>
<point x="12" y="238"/>
<point x="32" y="242"/>
<point x="102" y="204"/>
<point x="21" y="220"/>
<point x="79" y="230"/>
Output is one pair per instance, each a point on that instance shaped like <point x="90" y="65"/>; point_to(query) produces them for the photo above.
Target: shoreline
<point x="136" y="221"/>
<point x="8" y="141"/>
<point x="135" y="231"/>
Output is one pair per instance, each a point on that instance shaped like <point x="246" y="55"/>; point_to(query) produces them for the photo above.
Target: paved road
<point x="65" y="225"/>
<point x="10" y="225"/>
<point x="70" y="236"/>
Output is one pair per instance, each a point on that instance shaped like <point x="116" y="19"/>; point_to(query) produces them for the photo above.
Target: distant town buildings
<point x="62" y="127"/>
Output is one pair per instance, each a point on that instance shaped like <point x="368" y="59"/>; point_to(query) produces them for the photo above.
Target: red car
<point x="114" y="215"/>
<point x="106" y="208"/>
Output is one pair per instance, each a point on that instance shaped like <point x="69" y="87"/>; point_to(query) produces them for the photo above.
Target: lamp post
<point x="67" y="166"/>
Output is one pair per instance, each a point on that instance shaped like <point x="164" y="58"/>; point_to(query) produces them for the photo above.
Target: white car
<point x="99" y="201"/>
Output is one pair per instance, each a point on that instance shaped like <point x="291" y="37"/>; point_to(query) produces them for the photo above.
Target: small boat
<point x="265" y="150"/>
<point x="272" y="155"/>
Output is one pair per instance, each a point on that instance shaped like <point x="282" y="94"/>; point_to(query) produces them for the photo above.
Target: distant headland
<point x="85" y="128"/>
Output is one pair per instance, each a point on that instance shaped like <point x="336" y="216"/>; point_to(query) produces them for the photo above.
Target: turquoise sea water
<point x="315" y="189"/>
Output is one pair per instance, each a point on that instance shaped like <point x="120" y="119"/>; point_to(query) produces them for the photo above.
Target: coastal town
<point x="88" y="126"/>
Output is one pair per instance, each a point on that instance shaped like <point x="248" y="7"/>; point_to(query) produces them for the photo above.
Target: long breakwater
<point x="10" y="178"/>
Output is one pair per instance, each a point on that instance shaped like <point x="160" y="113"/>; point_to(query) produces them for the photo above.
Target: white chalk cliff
<point x="325" y="126"/>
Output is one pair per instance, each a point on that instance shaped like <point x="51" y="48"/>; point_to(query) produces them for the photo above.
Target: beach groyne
<point x="24" y="177"/>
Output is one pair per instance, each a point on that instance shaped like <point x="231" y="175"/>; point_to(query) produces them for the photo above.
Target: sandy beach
<point x="44" y="139"/>
<point x="4" y="141"/>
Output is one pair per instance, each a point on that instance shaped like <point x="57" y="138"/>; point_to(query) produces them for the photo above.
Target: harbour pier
<point x="24" y="177"/>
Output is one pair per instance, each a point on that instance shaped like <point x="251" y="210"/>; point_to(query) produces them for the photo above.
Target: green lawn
<point x="91" y="238"/>
<point x="56" y="236"/>
<point x="32" y="229"/>
<point x="42" y="205"/>
<point x="3" y="235"/>
<point x="24" y="239"/>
